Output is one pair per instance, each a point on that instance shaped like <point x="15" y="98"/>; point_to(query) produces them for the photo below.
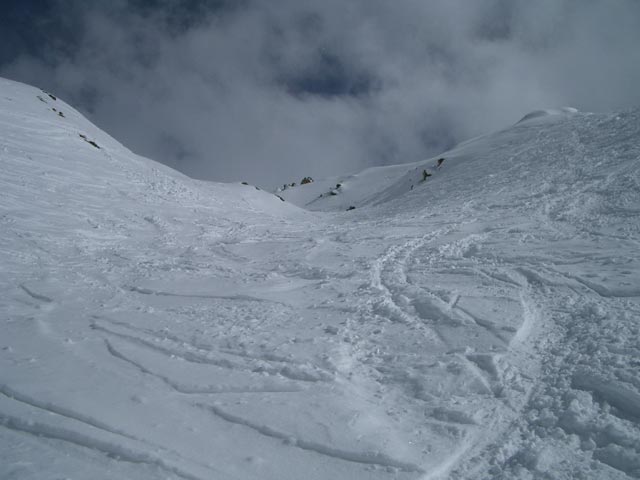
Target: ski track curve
<point x="497" y="369"/>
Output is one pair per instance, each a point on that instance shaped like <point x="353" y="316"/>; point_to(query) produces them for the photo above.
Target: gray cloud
<point x="272" y="91"/>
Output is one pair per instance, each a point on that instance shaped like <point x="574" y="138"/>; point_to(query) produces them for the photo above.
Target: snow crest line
<point x="20" y="412"/>
<point x="369" y="458"/>
<point x="196" y="389"/>
<point x="160" y="293"/>
<point x="110" y="449"/>
<point x="297" y="372"/>
<point x="36" y="296"/>
<point x="166" y="335"/>
<point x="63" y="412"/>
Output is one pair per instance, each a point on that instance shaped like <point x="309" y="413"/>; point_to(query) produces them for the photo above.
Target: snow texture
<point x="482" y="323"/>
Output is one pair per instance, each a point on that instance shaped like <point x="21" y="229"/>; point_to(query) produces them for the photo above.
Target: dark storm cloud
<point x="273" y="91"/>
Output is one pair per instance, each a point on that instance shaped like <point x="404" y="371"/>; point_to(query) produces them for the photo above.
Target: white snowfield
<point x="484" y="323"/>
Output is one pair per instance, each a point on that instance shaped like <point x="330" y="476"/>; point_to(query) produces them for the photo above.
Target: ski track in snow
<point x="481" y="324"/>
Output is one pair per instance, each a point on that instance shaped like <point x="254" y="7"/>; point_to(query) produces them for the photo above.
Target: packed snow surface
<point x="482" y="323"/>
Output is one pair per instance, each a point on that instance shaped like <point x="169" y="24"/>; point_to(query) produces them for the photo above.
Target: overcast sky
<point x="270" y="91"/>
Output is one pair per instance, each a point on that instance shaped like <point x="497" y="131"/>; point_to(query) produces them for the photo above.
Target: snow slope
<point x="483" y="324"/>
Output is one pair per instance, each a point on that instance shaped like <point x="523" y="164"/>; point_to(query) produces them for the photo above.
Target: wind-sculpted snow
<point x="481" y="322"/>
<point x="545" y="113"/>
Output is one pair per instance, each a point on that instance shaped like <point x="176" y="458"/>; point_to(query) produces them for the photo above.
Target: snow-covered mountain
<point x="482" y="323"/>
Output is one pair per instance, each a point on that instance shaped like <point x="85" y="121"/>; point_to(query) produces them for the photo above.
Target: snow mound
<point x="547" y="113"/>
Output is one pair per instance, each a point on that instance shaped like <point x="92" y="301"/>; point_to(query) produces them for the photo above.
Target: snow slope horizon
<point x="482" y="324"/>
<point x="376" y="185"/>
